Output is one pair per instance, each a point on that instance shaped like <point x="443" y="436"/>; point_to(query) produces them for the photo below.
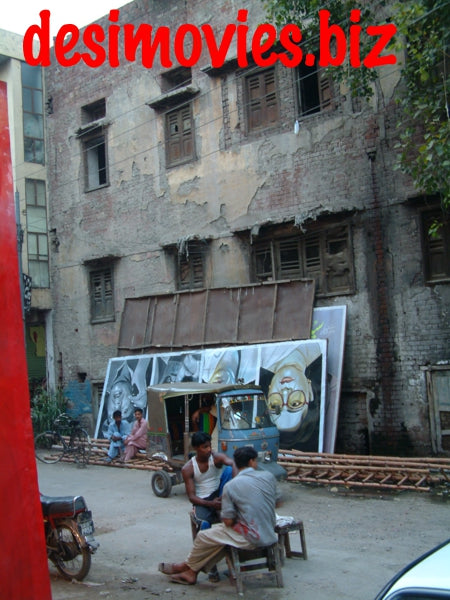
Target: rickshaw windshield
<point x="247" y="411"/>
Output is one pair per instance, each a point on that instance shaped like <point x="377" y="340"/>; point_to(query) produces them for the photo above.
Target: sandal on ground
<point x="180" y="579"/>
<point x="168" y="569"/>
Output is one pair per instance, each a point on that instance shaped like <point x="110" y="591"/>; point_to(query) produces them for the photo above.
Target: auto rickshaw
<point x="241" y="419"/>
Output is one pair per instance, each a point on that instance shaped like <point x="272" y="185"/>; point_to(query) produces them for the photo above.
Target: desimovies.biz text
<point x="186" y="44"/>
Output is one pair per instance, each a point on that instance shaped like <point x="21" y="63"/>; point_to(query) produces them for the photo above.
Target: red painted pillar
<point x="23" y="561"/>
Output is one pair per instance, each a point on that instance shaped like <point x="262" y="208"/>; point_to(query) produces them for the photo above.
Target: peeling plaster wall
<point x="273" y="176"/>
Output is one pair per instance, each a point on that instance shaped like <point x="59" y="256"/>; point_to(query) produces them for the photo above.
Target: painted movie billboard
<point x="292" y="375"/>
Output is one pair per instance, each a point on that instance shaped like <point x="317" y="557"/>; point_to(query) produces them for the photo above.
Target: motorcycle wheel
<point x="73" y="557"/>
<point x="49" y="447"/>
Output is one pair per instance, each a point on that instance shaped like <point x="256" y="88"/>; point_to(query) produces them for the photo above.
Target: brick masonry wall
<point x="396" y="323"/>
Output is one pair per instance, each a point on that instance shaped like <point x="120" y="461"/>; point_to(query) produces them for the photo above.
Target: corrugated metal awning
<point x="248" y="314"/>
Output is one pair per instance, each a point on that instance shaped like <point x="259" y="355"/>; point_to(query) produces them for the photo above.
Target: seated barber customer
<point x="248" y="520"/>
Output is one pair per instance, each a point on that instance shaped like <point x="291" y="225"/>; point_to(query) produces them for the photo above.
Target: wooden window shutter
<point x="102" y="300"/>
<point x="255" y="107"/>
<point x="270" y="94"/>
<point x="186" y="131"/>
<point x="190" y="267"/>
<point x="173" y="137"/>
<point x="179" y="137"/>
<point x="262" y="100"/>
<point x="290" y="258"/>
<point x="325" y="91"/>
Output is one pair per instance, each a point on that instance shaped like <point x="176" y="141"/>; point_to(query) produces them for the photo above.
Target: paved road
<point x="355" y="542"/>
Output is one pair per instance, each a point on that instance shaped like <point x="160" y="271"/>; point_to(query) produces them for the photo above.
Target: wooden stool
<point x="237" y="556"/>
<point x="283" y="539"/>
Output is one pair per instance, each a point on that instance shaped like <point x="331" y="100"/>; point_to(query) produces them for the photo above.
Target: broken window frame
<point x="95" y="158"/>
<point x="101" y="293"/>
<point x="283" y="256"/>
<point x="189" y="263"/>
<point x="314" y="90"/>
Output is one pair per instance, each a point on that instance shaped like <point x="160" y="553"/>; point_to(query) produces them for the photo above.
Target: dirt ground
<point x="356" y="542"/>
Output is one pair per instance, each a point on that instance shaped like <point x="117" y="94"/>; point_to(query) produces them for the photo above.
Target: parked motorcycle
<point x="69" y="533"/>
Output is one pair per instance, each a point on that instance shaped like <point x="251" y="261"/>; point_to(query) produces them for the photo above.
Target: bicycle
<point x="51" y="446"/>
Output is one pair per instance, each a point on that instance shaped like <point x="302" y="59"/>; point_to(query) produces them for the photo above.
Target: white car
<point x="426" y="578"/>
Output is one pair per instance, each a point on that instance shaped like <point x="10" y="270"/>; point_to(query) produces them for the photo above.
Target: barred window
<point x="324" y="255"/>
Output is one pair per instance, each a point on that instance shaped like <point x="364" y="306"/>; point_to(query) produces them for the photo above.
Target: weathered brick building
<point x="198" y="177"/>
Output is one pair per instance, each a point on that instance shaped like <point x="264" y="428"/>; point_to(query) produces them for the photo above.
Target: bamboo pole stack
<point x="99" y="452"/>
<point x="350" y="471"/>
<point x="376" y="472"/>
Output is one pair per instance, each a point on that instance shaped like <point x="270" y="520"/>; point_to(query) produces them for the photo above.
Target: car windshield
<point x="247" y="411"/>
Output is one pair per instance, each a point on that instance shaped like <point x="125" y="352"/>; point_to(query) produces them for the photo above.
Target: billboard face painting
<point x="292" y="374"/>
<point x="125" y="389"/>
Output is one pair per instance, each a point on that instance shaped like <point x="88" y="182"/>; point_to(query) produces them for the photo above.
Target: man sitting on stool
<point x="117" y="432"/>
<point x="248" y="520"/>
<point x="204" y="477"/>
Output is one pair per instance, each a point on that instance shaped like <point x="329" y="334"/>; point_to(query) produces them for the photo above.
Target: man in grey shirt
<point x="248" y="520"/>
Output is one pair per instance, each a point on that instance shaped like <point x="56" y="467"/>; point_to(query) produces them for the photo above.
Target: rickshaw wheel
<point x="161" y="484"/>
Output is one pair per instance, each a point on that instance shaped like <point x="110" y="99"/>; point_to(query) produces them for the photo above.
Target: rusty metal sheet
<point x="133" y="324"/>
<point x="256" y="314"/>
<point x="222" y="316"/>
<point x="293" y="314"/>
<point x="150" y="321"/>
<point x="164" y="320"/>
<point x="211" y="318"/>
<point x="190" y="319"/>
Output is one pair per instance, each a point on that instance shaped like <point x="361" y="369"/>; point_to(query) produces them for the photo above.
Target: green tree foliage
<point x="423" y="39"/>
<point x="45" y="407"/>
<point x="425" y="25"/>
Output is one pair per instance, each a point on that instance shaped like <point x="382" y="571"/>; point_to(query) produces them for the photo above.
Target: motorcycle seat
<point x="62" y="505"/>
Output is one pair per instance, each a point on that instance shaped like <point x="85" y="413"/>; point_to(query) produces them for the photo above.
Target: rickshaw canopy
<point x="188" y="388"/>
